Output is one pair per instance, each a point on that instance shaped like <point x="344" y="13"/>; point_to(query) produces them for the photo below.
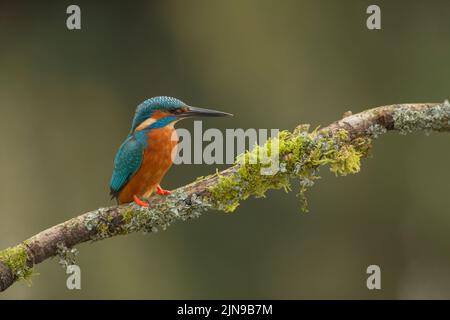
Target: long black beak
<point x="201" y="112"/>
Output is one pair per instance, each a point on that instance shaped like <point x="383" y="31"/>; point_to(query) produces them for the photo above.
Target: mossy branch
<point x="341" y="146"/>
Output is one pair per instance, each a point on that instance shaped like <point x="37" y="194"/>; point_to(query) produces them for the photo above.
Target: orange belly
<point x="156" y="161"/>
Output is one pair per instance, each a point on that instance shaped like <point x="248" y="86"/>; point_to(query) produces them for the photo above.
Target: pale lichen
<point x="436" y="118"/>
<point x="376" y="130"/>
<point x="177" y="206"/>
<point x="90" y="221"/>
<point x="133" y="218"/>
<point x="67" y="256"/>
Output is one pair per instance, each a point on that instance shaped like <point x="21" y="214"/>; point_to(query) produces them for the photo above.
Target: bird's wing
<point x="126" y="163"/>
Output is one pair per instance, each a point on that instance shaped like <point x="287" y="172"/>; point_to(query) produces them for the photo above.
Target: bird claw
<point x="140" y="202"/>
<point x="161" y="191"/>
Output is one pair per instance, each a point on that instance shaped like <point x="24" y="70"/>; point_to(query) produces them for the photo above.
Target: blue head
<point x="158" y="112"/>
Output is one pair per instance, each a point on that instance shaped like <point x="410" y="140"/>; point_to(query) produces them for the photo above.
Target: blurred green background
<point x="67" y="99"/>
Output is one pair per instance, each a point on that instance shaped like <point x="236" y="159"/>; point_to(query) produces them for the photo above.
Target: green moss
<point x="346" y="160"/>
<point x="300" y="155"/>
<point x="127" y="216"/>
<point x="103" y="230"/>
<point x="16" y="259"/>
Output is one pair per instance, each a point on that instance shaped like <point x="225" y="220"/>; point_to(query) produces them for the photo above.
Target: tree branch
<point x="340" y="145"/>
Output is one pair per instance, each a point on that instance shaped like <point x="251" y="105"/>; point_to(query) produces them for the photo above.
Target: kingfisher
<point x="146" y="154"/>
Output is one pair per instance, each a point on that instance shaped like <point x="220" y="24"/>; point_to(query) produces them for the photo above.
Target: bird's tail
<point x="114" y="194"/>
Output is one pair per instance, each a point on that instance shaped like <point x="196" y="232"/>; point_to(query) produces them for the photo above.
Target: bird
<point x="146" y="154"/>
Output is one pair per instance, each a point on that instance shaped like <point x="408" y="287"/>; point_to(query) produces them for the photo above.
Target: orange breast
<point x="157" y="160"/>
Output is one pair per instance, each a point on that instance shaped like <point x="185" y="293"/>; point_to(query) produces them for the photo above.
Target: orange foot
<point x="140" y="202"/>
<point x="161" y="191"/>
